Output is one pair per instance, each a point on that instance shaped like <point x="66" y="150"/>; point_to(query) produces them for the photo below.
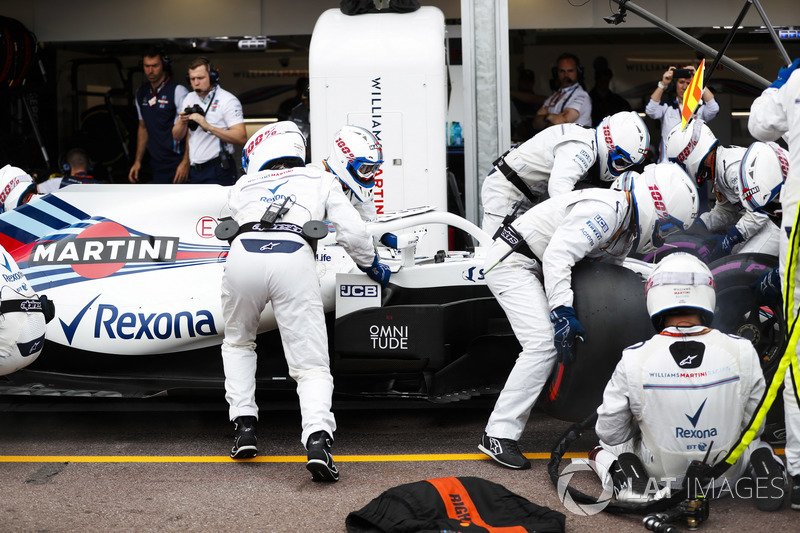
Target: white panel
<point x="367" y="69"/>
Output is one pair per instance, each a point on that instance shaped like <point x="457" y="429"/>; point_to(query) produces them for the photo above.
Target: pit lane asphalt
<point x="104" y="465"/>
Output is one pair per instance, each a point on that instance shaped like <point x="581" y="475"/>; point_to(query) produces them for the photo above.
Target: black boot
<point x="244" y="443"/>
<point x="320" y="463"/>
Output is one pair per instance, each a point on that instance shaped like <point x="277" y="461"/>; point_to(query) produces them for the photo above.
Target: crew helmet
<point x="622" y="141"/>
<point x="679" y="283"/>
<point x="356" y="155"/>
<point x="690" y="147"/>
<point x="281" y="142"/>
<point x="625" y="181"/>
<point x="14" y="182"/>
<point x="665" y="200"/>
<point x="762" y="172"/>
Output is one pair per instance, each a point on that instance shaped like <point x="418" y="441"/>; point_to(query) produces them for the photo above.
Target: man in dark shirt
<point x="157" y="102"/>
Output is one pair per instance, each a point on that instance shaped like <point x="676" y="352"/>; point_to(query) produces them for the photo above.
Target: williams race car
<point x="134" y="273"/>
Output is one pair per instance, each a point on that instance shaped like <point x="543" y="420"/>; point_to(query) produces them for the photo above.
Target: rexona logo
<point x="104" y="248"/>
<point x="152" y="325"/>
<point x="110" y="323"/>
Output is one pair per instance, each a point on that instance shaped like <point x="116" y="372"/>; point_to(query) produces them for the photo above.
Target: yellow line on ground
<point x="268" y="458"/>
<point x="262" y="459"/>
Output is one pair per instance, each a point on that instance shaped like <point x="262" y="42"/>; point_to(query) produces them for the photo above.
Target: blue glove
<point x="785" y="73"/>
<point x="768" y="288"/>
<point x="377" y="271"/>
<point x="566" y="329"/>
<point x="718" y="246"/>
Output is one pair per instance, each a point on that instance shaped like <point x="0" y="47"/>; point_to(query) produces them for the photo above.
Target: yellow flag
<point x="691" y="98"/>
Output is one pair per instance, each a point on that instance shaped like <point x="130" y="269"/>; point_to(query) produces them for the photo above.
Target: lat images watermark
<point x="746" y="487"/>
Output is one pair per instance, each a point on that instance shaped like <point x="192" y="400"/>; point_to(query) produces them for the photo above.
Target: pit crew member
<point x="355" y="158"/>
<point x="774" y="114"/>
<point x="271" y="261"/>
<point x="16" y="188"/>
<point x="23" y="318"/>
<point x="555" y="160"/>
<point x="529" y="270"/>
<point x="733" y="229"/>
<point x="687" y="389"/>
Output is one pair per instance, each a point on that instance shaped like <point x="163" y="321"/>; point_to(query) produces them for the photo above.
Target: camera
<point x="194" y="109"/>
<point x="682" y="73"/>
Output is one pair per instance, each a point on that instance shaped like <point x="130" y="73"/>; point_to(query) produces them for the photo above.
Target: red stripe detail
<point x="9" y="244"/>
<point x="197" y="255"/>
<point x="459" y="505"/>
<point x="23" y="251"/>
<point x="556" y="384"/>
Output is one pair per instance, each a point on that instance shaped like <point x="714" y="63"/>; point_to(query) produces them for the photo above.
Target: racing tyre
<point x="680" y="242"/>
<point x="739" y="313"/>
<point x="609" y="302"/>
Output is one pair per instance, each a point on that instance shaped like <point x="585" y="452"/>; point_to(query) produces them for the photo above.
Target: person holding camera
<point x="213" y="119"/>
<point x="666" y="100"/>
<point x="157" y="102"/>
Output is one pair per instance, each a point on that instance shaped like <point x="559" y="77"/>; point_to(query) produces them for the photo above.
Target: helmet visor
<point x="363" y="170"/>
<point x="663" y="228"/>
<point x="618" y="161"/>
<point x="679" y="278"/>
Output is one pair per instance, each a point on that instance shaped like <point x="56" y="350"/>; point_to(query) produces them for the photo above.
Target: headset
<point x="64" y="161"/>
<point x="213" y="73"/>
<point x="566" y="55"/>
<point x="153" y="52"/>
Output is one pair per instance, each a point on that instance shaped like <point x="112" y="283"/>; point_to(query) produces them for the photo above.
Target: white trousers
<point x="516" y="283"/>
<point x="289" y="281"/>
<point x="790" y="401"/>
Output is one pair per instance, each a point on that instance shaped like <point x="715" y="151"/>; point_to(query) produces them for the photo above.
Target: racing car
<point x="135" y="271"/>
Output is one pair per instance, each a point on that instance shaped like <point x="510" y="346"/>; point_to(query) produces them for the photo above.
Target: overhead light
<point x="253" y="43"/>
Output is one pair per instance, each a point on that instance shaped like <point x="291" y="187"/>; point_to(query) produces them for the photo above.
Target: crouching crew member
<point x="686" y="394"/>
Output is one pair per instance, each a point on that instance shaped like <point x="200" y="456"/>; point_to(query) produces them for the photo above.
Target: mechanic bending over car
<point x="356" y="157"/>
<point x="774" y="114"/>
<point x="23" y="317"/>
<point x="684" y="395"/>
<point x="529" y="270"/>
<point x="271" y="260"/>
<point x="728" y="228"/>
<point x="553" y="161"/>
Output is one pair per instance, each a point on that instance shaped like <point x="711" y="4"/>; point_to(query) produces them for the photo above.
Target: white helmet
<point x="665" y="200"/>
<point x="279" y="141"/>
<point x="622" y="141"/>
<point x="680" y="282"/>
<point x="762" y="172"/>
<point x="625" y="181"/>
<point x="14" y="182"/>
<point x="690" y="147"/>
<point x="356" y="155"/>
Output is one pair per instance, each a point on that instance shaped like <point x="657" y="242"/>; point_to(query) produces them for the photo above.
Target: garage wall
<point x="84" y="20"/>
